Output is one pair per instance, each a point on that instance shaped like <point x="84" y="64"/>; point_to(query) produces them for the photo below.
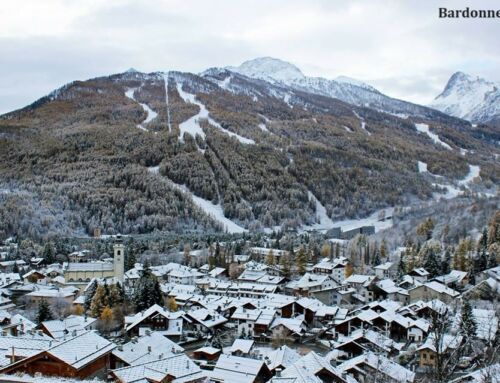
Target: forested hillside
<point x="135" y="153"/>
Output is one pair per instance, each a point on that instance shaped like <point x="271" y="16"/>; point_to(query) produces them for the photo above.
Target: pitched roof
<point x="179" y="367"/>
<point x="150" y="347"/>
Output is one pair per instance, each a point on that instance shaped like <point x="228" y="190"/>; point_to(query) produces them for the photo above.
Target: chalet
<point x="289" y="327"/>
<point x="80" y="256"/>
<point x="207" y="353"/>
<point x="231" y="368"/>
<point x="205" y="320"/>
<point x="156" y="318"/>
<point x="33" y="276"/>
<point x="368" y="365"/>
<point x="52" y="296"/>
<point x="363" y="286"/>
<point x="253" y="322"/>
<point x="427" y="351"/>
<point x="385" y="270"/>
<point x="147" y="348"/>
<point x="281" y="358"/>
<point x="73" y="324"/>
<point x="310" y="284"/>
<point x="455" y="279"/>
<point x="387" y="289"/>
<point x="15" y="325"/>
<point x="419" y="274"/>
<point x="363" y="340"/>
<point x="335" y="268"/>
<point x="242" y="347"/>
<point x="172" y="368"/>
<point x="83" y="356"/>
<point x="313" y="365"/>
<point x="433" y="290"/>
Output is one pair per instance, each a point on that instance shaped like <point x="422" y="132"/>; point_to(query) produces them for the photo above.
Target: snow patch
<point x="424" y="128"/>
<point x="422" y="167"/>
<point x="347" y="129"/>
<point x="474" y="171"/>
<point x="154" y="169"/>
<point x="192" y="125"/>
<point x="263" y="127"/>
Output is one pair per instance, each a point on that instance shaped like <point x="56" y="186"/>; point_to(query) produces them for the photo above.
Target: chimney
<point x="149" y="349"/>
<point x="278" y="372"/>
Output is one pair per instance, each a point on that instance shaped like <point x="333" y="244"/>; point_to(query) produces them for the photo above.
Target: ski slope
<point x="424" y="128"/>
<point x="150" y="113"/>
<point x="192" y="125"/>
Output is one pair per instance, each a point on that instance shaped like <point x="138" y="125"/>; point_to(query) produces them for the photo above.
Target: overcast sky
<point x="400" y="47"/>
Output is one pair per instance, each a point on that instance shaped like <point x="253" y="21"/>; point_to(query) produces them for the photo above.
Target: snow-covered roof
<point x="235" y="369"/>
<point x="242" y="345"/>
<point x="283" y="356"/>
<point x="382" y="364"/>
<point x="447" y="341"/>
<point x="59" y="328"/>
<point x="178" y="366"/>
<point x="384" y="266"/>
<point x="152" y="346"/>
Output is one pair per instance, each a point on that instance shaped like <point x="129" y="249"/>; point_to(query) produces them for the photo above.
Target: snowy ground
<point x="376" y="219"/>
<point x="422" y="167"/>
<point x="192" y="125"/>
<point x="474" y="171"/>
<point x="151" y="114"/>
<point x="325" y="222"/>
<point x="424" y="128"/>
<point x="453" y="191"/>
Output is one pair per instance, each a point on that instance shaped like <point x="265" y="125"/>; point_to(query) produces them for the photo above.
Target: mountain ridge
<point x="270" y="155"/>
<point x="472" y="98"/>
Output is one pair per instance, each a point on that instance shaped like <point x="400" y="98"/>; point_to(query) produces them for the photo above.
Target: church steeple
<point x="119" y="258"/>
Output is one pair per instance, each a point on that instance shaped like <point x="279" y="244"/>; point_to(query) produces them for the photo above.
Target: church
<point x="79" y="274"/>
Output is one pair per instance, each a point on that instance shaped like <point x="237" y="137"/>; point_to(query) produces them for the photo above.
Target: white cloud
<point x="402" y="48"/>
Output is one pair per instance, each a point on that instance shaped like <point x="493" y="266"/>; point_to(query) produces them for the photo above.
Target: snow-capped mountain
<point x="471" y="98"/>
<point x="344" y="88"/>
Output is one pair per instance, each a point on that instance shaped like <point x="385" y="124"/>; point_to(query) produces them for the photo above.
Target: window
<point x="118" y="252"/>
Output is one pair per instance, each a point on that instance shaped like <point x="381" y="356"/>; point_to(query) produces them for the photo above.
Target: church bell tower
<point x="119" y="259"/>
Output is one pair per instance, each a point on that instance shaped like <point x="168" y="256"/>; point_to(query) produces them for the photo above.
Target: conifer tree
<point x="44" y="312"/>
<point x="49" y="253"/>
<point x="468" y="325"/>
<point x="89" y="294"/>
<point x="431" y="264"/>
<point x="130" y="259"/>
<point x="445" y="262"/>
